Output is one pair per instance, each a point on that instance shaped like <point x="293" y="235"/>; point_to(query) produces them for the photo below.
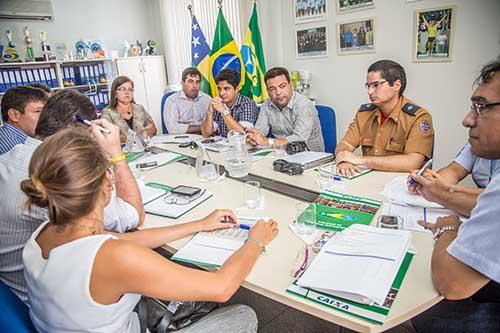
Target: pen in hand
<point x="83" y="120"/>
<point x="421" y="171"/>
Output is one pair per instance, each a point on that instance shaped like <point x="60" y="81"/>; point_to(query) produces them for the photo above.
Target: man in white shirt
<point x="186" y="109"/>
<point x="17" y="224"/>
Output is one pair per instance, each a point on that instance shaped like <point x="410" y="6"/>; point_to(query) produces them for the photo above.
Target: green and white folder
<point x="376" y="313"/>
<point x="337" y="211"/>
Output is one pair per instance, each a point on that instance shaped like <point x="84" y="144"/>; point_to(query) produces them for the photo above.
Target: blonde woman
<point x="81" y="278"/>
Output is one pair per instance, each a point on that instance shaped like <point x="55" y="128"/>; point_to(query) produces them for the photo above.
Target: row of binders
<point x="100" y="99"/>
<point x="85" y="74"/>
<point x="13" y="77"/>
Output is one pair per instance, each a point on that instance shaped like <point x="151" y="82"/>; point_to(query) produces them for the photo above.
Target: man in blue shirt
<point x="465" y="260"/>
<point x="21" y="108"/>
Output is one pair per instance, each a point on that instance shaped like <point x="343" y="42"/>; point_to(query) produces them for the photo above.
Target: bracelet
<point x="262" y="246"/>
<point x="119" y="158"/>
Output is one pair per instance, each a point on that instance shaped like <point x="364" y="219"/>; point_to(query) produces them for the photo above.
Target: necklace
<point x="92" y="229"/>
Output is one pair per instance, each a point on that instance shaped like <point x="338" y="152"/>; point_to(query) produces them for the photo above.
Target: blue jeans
<point x="479" y="313"/>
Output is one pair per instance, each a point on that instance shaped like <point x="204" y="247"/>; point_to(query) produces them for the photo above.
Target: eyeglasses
<point x="374" y="85"/>
<point x="479" y="109"/>
<point x="177" y="199"/>
<point x="123" y="90"/>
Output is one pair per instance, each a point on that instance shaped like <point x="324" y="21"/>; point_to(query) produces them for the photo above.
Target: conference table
<point x="272" y="274"/>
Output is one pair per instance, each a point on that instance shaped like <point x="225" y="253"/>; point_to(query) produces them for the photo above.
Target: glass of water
<point x="390" y="222"/>
<point x="252" y="194"/>
<point x="305" y="218"/>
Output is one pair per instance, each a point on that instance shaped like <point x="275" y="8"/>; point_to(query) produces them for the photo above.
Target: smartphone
<point x="156" y="150"/>
<point x="186" y="191"/>
<point x="147" y="165"/>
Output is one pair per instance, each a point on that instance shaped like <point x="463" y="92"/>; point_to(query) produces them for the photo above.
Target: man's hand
<point x="217" y="104"/>
<point x="110" y="143"/>
<point x="218" y="219"/>
<point x="431" y="185"/>
<point x="452" y="220"/>
<point x="254" y="137"/>
<point x="349" y="157"/>
<point x="347" y="169"/>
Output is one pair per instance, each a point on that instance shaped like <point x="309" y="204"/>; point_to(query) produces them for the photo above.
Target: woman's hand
<point x="218" y="219"/>
<point x="264" y="232"/>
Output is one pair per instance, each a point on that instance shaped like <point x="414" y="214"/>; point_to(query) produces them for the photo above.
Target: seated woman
<point x="125" y="113"/>
<point x="81" y="278"/>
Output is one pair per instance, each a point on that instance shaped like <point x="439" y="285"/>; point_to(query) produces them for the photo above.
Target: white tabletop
<point x="272" y="273"/>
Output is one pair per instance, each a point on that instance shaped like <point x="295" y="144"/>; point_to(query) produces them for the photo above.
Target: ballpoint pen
<point x="426" y="165"/>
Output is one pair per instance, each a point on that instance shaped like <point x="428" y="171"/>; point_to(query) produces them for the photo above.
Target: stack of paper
<point x="397" y="192"/>
<point x="152" y="191"/>
<point x="359" y="263"/>
<point x="309" y="159"/>
<point x="160" y="159"/>
<point x="175" y="138"/>
<point x="162" y="207"/>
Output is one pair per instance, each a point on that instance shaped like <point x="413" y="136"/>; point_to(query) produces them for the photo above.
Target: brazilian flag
<point x="252" y="53"/>
<point x="224" y="54"/>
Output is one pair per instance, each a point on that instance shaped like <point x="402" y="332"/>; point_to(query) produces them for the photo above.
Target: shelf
<point x="89" y="86"/>
<point x="31" y="63"/>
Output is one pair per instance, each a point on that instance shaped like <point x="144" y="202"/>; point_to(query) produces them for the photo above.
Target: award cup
<point x="46" y="52"/>
<point x="30" y="56"/>
<point x="10" y="54"/>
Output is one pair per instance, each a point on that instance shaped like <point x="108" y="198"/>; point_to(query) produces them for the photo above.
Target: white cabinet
<point x="150" y="81"/>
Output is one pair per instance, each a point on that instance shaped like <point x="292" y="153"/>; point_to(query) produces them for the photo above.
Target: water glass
<point x="390" y="222"/>
<point x="252" y="194"/>
<point x="305" y="218"/>
<point x="280" y="149"/>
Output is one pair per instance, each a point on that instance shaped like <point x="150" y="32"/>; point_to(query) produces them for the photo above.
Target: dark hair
<point x="190" y="71"/>
<point x="41" y="86"/>
<point x="115" y="85"/>
<point x="66" y="175"/>
<point x="390" y="71"/>
<point x="60" y="109"/>
<point x="487" y="72"/>
<point x="229" y="75"/>
<point x="277" y="71"/>
<point x="18" y="97"/>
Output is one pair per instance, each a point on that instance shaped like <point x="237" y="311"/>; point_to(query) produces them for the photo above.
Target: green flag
<point x="252" y="53"/>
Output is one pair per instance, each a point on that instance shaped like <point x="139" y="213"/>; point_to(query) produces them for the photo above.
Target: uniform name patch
<point x="425" y="126"/>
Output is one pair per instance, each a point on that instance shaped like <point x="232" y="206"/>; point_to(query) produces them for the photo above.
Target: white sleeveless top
<point x="59" y="290"/>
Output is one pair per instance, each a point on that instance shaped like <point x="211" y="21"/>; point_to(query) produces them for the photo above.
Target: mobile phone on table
<point x="156" y="150"/>
<point x="187" y="191"/>
<point x="147" y="165"/>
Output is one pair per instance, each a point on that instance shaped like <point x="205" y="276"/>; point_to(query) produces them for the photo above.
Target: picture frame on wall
<point x="356" y="37"/>
<point x="310" y="10"/>
<point x="311" y="42"/>
<point x="345" y="6"/>
<point x="434" y="31"/>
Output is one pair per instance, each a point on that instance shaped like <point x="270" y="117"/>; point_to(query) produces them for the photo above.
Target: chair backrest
<point x="14" y="314"/>
<point x="328" y="124"/>
<point x="163" y="101"/>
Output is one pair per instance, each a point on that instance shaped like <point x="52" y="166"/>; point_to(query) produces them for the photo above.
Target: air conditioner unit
<point x="27" y="10"/>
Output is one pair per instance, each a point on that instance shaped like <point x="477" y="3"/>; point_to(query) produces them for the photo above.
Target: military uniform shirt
<point x="408" y="129"/>
<point x="481" y="169"/>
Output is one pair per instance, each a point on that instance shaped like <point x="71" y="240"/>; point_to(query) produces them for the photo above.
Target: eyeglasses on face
<point x="123" y="90"/>
<point x="374" y="85"/>
<point x="481" y="108"/>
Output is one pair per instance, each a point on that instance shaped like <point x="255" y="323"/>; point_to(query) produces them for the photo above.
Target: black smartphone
<point x="185" y="144"/>
<point x="156" y="150"/>
<point x="187" y="191"/>
<point x="147" y="165"/>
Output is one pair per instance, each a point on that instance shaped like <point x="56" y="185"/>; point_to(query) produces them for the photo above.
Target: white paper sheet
<point x="397" y="192"/>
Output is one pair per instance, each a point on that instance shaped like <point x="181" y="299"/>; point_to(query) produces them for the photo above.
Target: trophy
<point x="30" y="56"/>
<point x="136" y="49"/>
<point x="46" y="53"/>
<point x="150" y="49"/>
<point x="10" y="54"/>
<point x="127" y="49"/>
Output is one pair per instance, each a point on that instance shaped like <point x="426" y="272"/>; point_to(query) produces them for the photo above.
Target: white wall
<point x="443" y="88"/>
<point x="111" y="21"/>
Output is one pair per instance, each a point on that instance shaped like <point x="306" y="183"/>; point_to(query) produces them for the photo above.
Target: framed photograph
<point x="311" y="42"/>
<point x="434" y="31"/>
<point x="310" y="10"/>
<point x="344" y="6"/>
<point x="355" y="37"/>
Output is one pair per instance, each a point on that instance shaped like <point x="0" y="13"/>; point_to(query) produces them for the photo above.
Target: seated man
<point x="286" y="114"/>
<point x="230" y="111"/>
<point x="186" y="109"/>
<point x="442" y="186"/>
<point x="21" y="108"/>
<point x="394" y="133"/>
<point x="17" y="224"/>
<point x="465" y="262"/>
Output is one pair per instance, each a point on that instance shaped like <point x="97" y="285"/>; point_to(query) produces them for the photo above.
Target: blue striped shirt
<point x="9" y="137"/>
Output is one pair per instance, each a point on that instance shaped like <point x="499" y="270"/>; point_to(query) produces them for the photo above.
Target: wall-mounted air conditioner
<point x="27" y="10"/>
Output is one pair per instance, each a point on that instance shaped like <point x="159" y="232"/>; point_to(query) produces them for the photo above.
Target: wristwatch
<point x="270" y="142"/>
<point x="442" y="230"/>
<point x="226" y="111"/>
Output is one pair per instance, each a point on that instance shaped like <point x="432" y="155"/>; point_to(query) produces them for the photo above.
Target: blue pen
<point x="421" y="171"/>
<point x="337" y="178"/>
<point x="425" y="214"/>
<point x="244" y="226"/>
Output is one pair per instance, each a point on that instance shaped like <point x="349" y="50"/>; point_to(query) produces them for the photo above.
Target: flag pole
<point x="220" y="3"/>
<point x="190" y="8"/>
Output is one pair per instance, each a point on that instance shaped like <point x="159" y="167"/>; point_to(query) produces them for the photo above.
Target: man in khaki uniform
<point x="394" y="133"/>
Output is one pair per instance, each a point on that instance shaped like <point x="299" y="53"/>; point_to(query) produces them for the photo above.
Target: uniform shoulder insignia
<point x="410" y="109"/>
<point x="367" y="107"/>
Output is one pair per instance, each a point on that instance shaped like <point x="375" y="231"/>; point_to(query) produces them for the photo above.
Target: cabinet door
<point x="155" y="78"/>
<point x="132" y="68"/>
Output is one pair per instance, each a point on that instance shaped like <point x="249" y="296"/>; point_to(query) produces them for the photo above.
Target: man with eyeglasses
<point x="287" y="115"/>
<point x="465" y="261"/>
<point x="394" y="133"/>
<point x="186" y="109"/>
